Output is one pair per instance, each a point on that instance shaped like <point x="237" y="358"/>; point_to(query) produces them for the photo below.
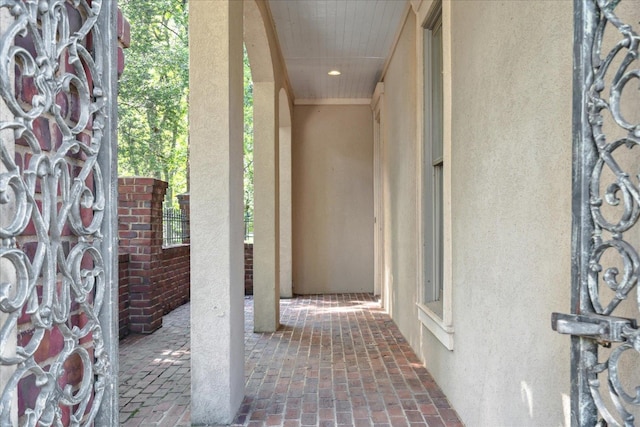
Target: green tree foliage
<point x="248" y="144"/>
<point x="153" y="98"/>
<point x="153" y="93"/>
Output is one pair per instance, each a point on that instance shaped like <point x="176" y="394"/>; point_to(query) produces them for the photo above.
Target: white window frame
<point x="381" y="286"/>
<point x="436" y="316"/>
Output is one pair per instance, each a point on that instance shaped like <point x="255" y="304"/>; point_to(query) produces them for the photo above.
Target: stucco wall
<point x="399" y="181"/>
<point x="332" y="178"/>
<point x="511" y="211"/>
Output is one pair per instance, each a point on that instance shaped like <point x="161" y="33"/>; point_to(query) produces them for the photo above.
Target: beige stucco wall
<point x="332" y="192"/>
<point x="511" y="209"/>
<point x="399" y="182"/>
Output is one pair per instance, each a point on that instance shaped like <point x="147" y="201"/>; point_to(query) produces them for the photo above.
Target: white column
<point x="286" y="261"/>
<point x="217" y="289"/>
<point x="266" y="246"/>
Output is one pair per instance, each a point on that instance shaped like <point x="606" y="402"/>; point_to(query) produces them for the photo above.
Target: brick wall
<point x="156" y="279"/>
<point x="172" y="285"/>
<point x="248" y="268"/>
<point x="140" y="232"/>
<point x="176" y="277"/>
<point x="124" y="39"/>
<point x="123" y="295"/>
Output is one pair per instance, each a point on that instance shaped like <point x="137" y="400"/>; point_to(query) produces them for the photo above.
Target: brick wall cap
<point x="141" y="180"/>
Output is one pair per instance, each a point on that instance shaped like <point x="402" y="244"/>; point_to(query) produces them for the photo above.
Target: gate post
<point x="217" y="297"/>
<point x="108" y="162"/>
<point x="140" y="231"/>
<point x="583" y="409"/>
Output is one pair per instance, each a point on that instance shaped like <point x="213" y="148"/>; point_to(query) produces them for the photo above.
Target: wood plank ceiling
<point x="352" y="36"/>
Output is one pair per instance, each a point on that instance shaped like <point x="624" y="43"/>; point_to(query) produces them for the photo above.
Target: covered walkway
<point x="336" y="360"/>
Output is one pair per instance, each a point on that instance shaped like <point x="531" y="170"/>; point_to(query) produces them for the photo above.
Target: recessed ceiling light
<point x="334" y="73"/>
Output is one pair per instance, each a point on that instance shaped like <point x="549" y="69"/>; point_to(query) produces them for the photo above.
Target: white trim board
<point x="334" y="101"/>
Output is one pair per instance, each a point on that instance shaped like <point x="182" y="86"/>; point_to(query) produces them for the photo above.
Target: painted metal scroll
<point x="58" y="338"/>
<point x="606" y="208"/>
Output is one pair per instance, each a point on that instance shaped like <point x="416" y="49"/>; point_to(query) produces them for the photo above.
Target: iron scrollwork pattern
<point x="52" y="205"/>
<point x="614" y="133"/>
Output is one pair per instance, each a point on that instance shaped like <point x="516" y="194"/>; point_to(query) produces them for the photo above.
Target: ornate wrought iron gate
<point x="606" y="206"/>
<point x="58" y="201"/>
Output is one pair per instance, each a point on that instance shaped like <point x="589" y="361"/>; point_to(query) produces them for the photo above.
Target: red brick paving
<point x="337" y="360"/>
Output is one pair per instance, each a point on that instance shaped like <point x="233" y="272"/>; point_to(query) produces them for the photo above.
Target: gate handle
<point x="595" y="326"/>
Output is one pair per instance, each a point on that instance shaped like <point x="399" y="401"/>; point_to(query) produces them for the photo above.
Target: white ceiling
<point x="352" y="36"/>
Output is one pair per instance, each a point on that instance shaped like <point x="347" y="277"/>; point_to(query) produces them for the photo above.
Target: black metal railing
<point x="175" y="227"/>
<point x="248" y="228"/>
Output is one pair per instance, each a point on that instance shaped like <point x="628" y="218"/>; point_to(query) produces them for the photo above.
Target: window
<point x="434" y="286"/>
<point x="433" y="167"/>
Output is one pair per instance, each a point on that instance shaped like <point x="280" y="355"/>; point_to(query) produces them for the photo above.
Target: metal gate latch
<point x="602" y="328"/>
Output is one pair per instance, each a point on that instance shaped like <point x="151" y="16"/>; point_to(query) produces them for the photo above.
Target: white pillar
<point x="217" y="290"/>
<point x="266" y="246"/>
<point x="286" y="261"/>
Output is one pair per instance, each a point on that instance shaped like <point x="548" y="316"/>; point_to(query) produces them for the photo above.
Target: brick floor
<point x="337" y="360"/>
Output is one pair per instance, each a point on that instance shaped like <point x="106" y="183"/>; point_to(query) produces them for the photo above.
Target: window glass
<point x="433" y="168"/>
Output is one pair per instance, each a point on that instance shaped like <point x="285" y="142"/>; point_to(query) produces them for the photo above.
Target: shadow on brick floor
<point x="337" y="360"/>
